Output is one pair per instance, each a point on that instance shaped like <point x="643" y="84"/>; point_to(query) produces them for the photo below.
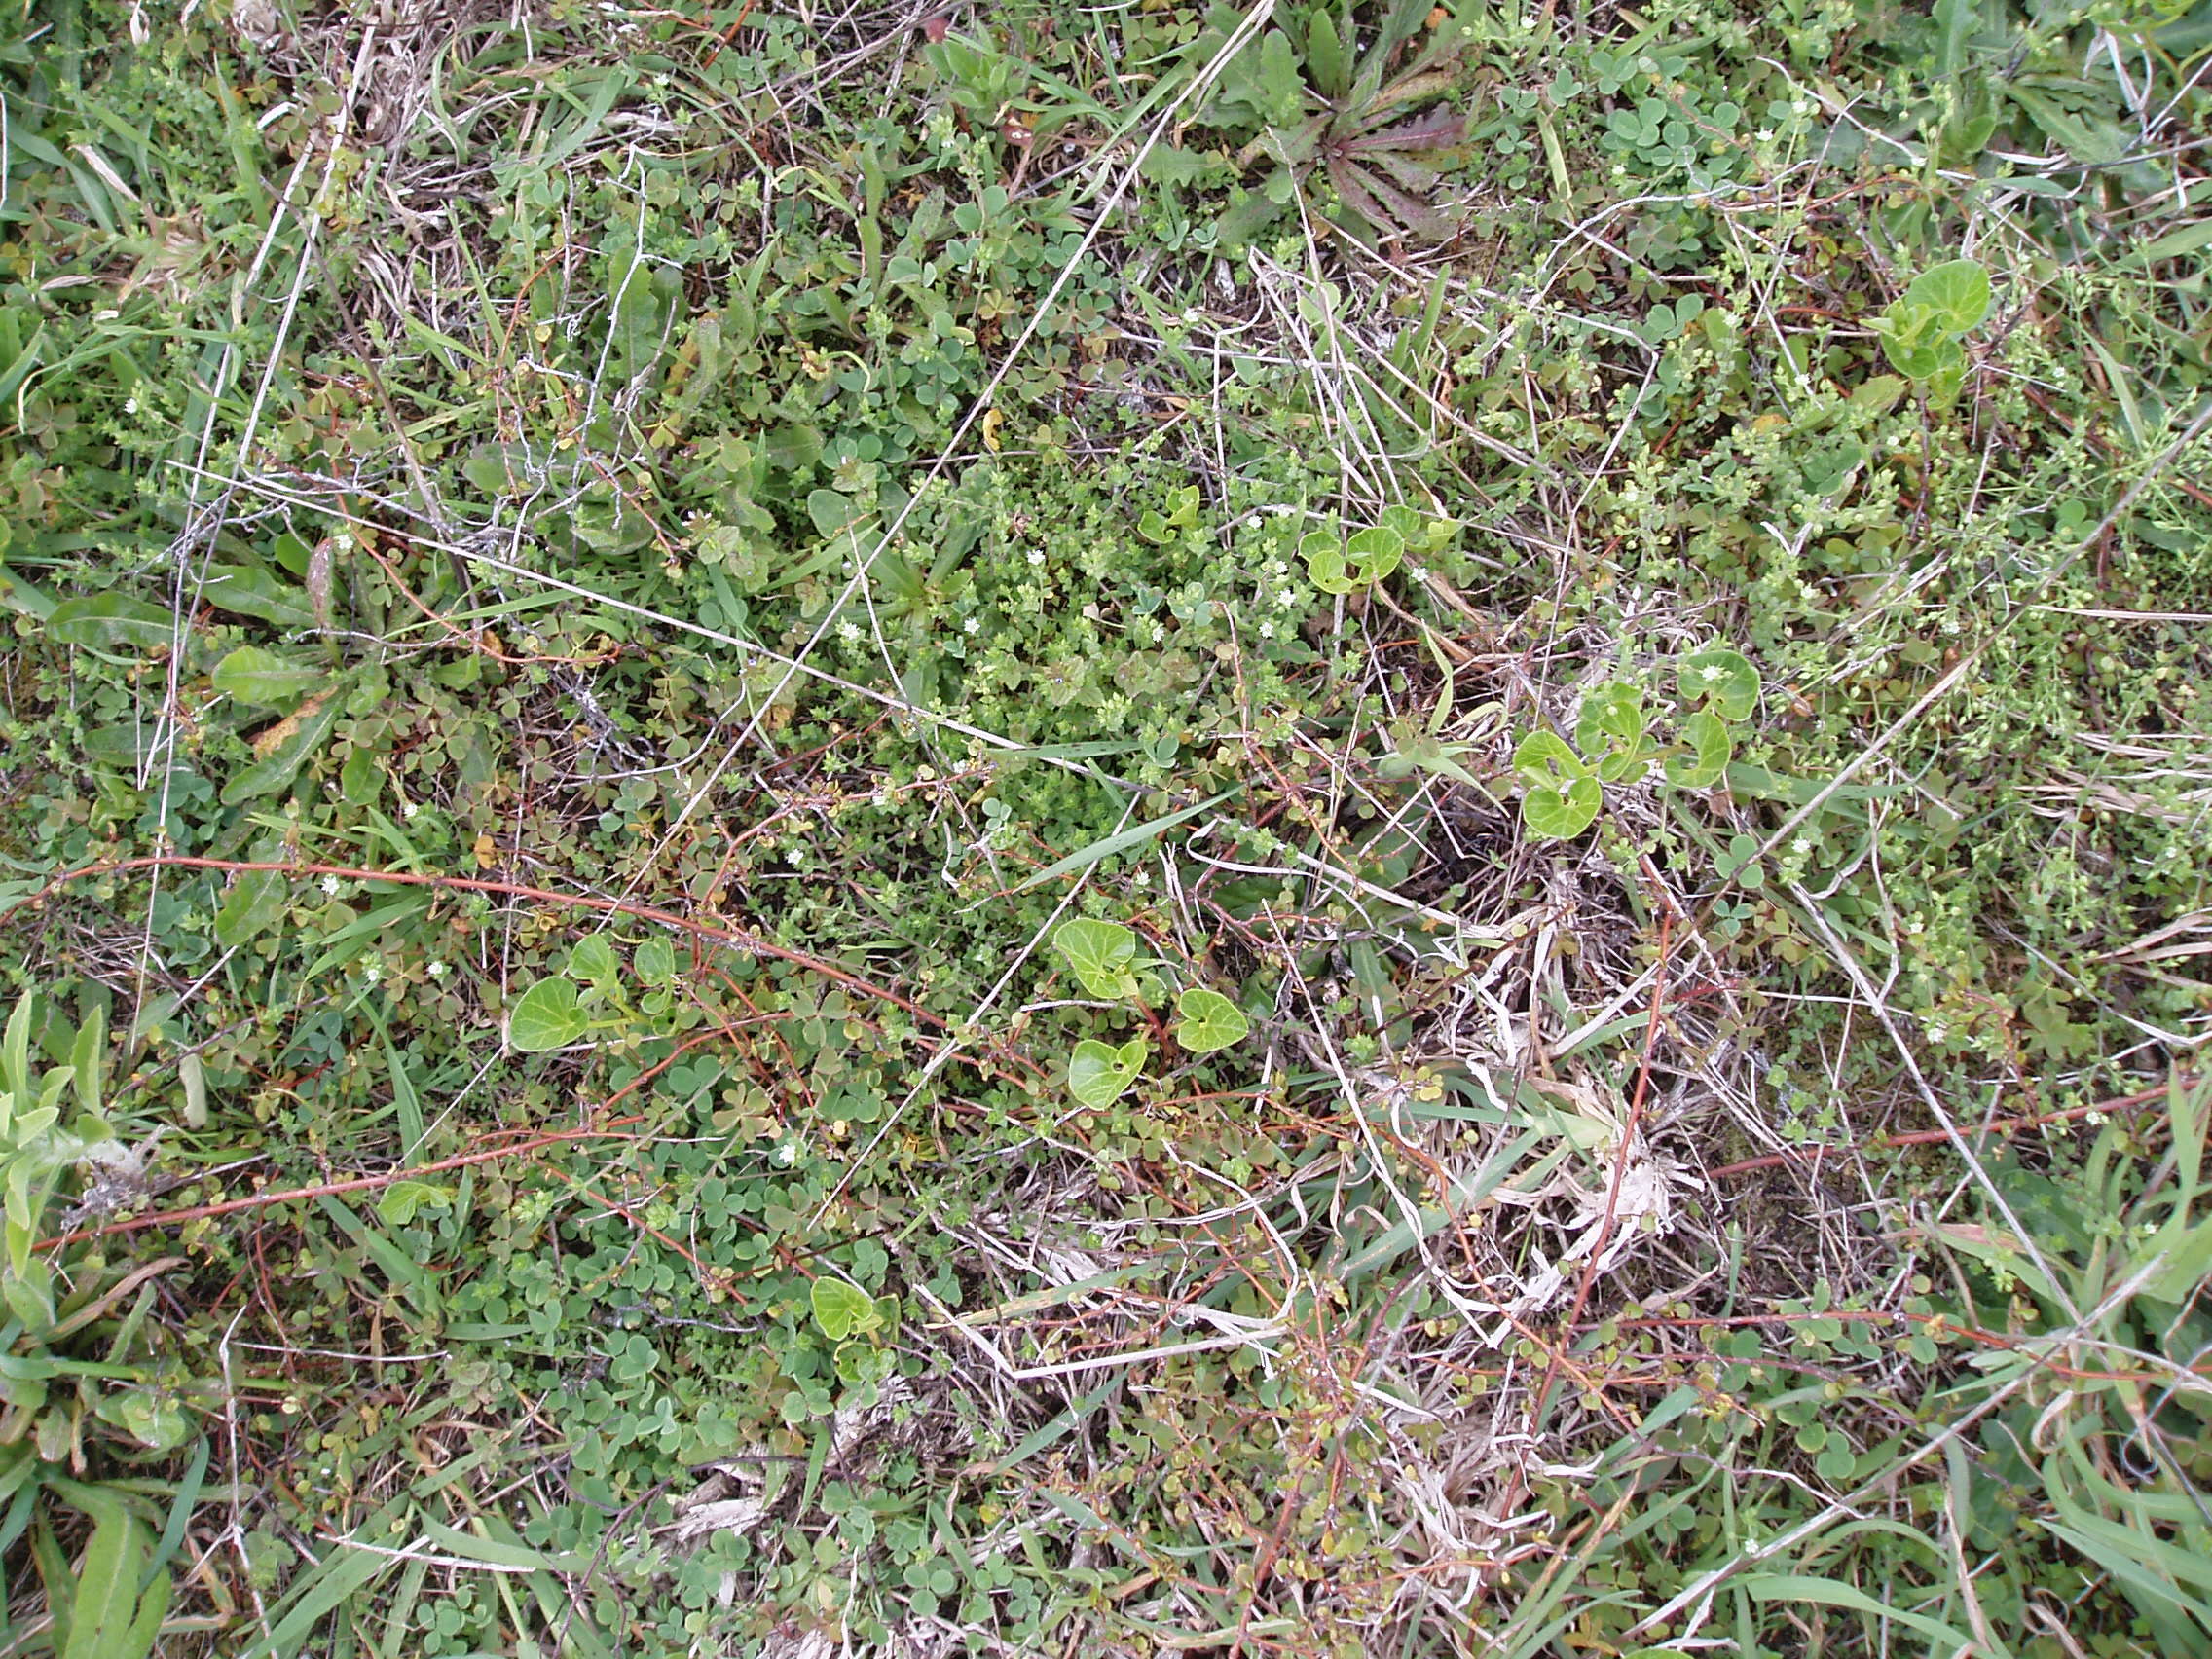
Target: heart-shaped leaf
<point x="1724" y="679"/>
<point x="1554" y="815"/>
<point x="1955" y="294"/>
<point x="403" y="1198"/>
<point x="841" y="1308"/>
<point x="1100" y="1074"/>
<point x="1210" y="1022"/>
<point x="1706" y="733"/>
<point x="594" y="961"/>
<point x="1101" y="954"/>
<point x="548" y="1015"/>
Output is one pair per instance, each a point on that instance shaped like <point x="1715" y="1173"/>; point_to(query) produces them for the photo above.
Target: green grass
<point x="1107" y="831"/>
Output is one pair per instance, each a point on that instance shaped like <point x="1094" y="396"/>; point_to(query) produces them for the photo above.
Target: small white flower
<point x="1766" y="134"/>
<point x="1267" y="630"/>
<point x="437" y="970"/>
<point x="1036" y="556"/>
<point x="131" y="406"/>
<point x="849" y="632"/>
<point x="972" y="626"/>
<point x="1801" y="846"/>
<point x="372" y="973"/>
<point x="330" y="885"/>
<point x="1937" y="1034"/>
<point x="1143" y="878"/>
<point x="409" y="810"/>
<point x="787" y="1155"/>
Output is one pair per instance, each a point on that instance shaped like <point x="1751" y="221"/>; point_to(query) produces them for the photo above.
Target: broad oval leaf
<point x="1723" y="677"/>
<point x="548" y="1015"/>
<point x="253" y="674"/>
<point x="1210" y="1022"/>
<point x="1955" y="293"/>
<point x="1706" y="733"/>
<point x="1555" y="815"/>
<point x="112" y="621"/>
<point x="1100" y="953"/>
<point x="842" y="1309"/>
<point x="1100" y="1074"/>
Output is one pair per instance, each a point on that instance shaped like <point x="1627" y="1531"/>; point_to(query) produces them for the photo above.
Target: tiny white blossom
<point x="372" y="973"/>
<point x="330" y="885"/>
<point x="971" y="626"/>
<point x="131" y="406"/>
<point x="409" y="810"/>
<point x="787" y="1155"/>
<point x="1036" y="555"/>
<point x="1267" y="630"/>
<point x="1801" y="846"/>
<point x="437" y="970"/>
<point x="1766" y="134"/>
<point x="849" y="632"/>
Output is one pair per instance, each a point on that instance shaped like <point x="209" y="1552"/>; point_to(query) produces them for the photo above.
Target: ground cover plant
<point x="1320" y="830"/>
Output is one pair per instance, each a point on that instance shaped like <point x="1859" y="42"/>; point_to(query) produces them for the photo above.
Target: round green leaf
<point x="1724" y="679"/>
<point x="1210" y="1022"/>
<point x="655" y="961"/>
<point x="547" y="1016"/>
<point x="841" y="1308"/>
<point x="1955" y="294"/>
<point x="1100" y="1074"/>
<point x="594" y="960"/>
<point x="1100" y="953"/>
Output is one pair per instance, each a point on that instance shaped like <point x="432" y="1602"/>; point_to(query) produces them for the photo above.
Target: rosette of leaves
<point x="1369" y="121"/>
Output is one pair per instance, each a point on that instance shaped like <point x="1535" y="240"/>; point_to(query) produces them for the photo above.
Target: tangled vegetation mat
<point x="1321" y="829"/>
